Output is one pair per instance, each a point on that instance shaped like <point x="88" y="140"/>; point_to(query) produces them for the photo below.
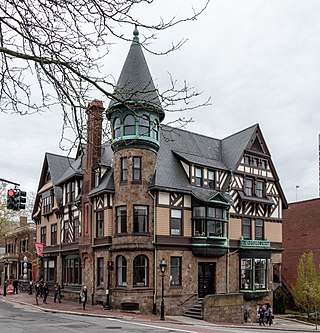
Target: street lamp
<point x="5" y="277"/>
<point x="110" y="269"/>
<point x="163" y="266"/>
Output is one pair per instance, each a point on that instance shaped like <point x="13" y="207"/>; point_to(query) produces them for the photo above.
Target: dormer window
<point x="211" y="179"/>
<point x="129" y="125"/>
<point x="198" y="177"/>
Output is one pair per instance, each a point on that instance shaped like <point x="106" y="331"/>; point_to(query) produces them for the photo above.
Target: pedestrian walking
<point x="30" y="287"/>
<point x="262" y="311"/>
<point x="269" y="314"/>
<point x="15" y="284"/>
<point x="84" y="297"/>
<point x="37" y="288"/>
<point x="56" y="292"/>
<point x="45" y="292"/>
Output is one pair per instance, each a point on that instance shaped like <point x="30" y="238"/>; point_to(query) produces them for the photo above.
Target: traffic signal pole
<point x="8" y="182"/>
<point x="16" y="198"/>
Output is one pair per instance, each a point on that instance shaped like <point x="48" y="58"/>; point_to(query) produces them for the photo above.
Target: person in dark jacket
<point x="84" y="297"/>
<point x="56" y="292"/>
<point x="262" y="311"/>
<point x="15" y="286"/>
<point x="45" y="292"/>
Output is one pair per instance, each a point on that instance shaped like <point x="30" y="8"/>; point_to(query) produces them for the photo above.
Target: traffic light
<point x="13" y="199"/>
<point x="110" y="265"/>
<point x="22" y="199"/>
<point x="16" y="199"/>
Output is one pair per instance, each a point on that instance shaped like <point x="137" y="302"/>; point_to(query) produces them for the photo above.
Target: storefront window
<point x="253" y="274"/>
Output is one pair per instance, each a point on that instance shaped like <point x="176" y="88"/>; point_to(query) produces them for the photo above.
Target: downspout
<point x="227" y="259"/>
<point x="154" y="311"/>
<point x="228" y="237"/>
<point x="92" y="249"/>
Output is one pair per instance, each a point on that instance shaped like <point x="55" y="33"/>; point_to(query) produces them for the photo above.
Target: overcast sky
<point x="258" y="60"/>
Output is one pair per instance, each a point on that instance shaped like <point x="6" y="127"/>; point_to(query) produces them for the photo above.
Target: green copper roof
<point x="135" y="84"/>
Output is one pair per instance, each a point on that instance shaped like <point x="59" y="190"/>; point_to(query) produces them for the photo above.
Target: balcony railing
<point x="254" y="244"/>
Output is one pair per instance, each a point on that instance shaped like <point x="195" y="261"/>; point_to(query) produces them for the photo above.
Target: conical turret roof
<point x="135" y="84"/>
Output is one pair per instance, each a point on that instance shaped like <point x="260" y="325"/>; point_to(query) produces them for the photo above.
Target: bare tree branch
<point x="52" y="54"/>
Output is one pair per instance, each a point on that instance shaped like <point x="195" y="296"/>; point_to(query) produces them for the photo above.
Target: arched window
<point x="155" y="130"/>
<point x="129" y="125"/>
<point x="121" y="271"/>
<point x="116" y="128"/>
<point x="144" y="126"/>
<point x="140" y="271"/>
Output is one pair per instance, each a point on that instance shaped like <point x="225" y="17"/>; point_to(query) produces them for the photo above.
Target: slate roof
<point x="107" y="181"/>
<point x="57" y="166"/>
<point x="196" y="149"/>
<point x="76" y="168"/>
<point x="234" y="145"/>
<point x="176" y="145"/>
<point x="135" y="83"/>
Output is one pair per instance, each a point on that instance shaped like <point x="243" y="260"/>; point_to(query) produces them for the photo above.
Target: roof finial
<point x="136" y="34"/>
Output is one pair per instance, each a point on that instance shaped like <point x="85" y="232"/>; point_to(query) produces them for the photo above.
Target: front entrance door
<point x="206" y="278"/>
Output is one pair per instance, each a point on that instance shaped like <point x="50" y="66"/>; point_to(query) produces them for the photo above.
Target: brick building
<point x="211" y="208"/>
<point x="19" y="244"/>
<point x="301" y="223"/>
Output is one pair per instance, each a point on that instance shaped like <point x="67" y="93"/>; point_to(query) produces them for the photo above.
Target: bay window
<point x="209" y="221"/>
<point x="253" y="274"/>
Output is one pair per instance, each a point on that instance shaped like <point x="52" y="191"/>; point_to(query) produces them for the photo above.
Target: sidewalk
<point x="280" y="322"/>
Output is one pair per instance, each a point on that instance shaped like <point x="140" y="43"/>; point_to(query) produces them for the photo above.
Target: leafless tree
<point x="52" y="51"/>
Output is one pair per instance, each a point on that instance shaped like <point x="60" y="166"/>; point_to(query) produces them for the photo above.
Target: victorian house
<point x="211" y="208"/>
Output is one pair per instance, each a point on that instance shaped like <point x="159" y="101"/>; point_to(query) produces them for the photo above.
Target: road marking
<point x="158" y="327"/>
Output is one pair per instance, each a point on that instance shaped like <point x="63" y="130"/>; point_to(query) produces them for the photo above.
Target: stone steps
<point x="195" y="311"/>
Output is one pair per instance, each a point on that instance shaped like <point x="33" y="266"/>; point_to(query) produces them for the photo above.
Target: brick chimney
<point x="93" y="156"/>
<point x="94" y="132"/>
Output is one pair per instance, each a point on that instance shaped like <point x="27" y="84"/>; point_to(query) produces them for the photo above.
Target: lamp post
<point x="110" y="269"/>
<point x="163" y="266"/>
<point x="5" y="278"/>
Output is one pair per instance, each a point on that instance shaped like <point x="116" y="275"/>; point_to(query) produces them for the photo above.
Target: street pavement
<point x="281" y="323"/>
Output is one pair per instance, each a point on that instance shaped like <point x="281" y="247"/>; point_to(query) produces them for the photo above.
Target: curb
<point x="173" y="320"/>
